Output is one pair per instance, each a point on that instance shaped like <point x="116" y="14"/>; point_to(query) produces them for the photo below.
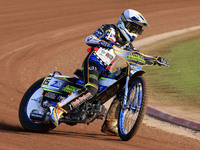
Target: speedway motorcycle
<point x="126" y="84"/>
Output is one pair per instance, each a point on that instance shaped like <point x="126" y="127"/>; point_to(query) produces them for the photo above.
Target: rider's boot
<point x="71" y="102"/>
<point x="110" y="125"/>
<point x="57" y="111"/>
<point x="55" y="115"/>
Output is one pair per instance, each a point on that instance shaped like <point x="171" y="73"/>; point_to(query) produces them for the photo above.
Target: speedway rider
<point x="128" y="27"/>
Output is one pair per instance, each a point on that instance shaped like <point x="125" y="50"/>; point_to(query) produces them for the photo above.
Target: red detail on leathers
<point x="91" y="48"/>
<point x="108" y="68"/>
<point x="96" y="49"/>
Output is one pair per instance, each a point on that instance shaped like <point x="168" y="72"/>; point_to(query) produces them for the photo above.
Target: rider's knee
<point x="92" y="89"/>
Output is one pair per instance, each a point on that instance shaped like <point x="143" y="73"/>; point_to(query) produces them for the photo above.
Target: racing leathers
<point x="96" y="63"/>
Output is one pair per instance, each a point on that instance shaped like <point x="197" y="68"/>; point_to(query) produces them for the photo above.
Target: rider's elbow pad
<point x="92" y="40"/>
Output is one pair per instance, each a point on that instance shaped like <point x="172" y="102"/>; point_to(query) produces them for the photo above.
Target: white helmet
<point x="130" y="24"/>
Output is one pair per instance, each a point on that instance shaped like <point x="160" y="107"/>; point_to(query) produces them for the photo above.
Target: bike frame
<point x="135" y="61"/>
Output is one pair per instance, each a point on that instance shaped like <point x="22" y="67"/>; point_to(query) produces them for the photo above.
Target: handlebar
<point x="138" y="58"/>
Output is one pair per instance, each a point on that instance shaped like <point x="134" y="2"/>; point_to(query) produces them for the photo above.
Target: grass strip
<point x="181" y="82"/>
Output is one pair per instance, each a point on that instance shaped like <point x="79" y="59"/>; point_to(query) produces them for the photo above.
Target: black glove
<point x="106" y="44"/>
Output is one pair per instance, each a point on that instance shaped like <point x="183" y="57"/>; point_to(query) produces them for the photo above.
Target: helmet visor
<point x="133" y="27"/>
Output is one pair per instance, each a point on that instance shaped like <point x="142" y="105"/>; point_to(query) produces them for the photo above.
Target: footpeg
<point x="101" y="112"/>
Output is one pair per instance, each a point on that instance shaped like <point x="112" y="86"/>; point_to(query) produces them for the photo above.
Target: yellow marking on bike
<point x="55" y="115"/>
<point x="91" y="85"/>
<point x="118" y="51"/>
<point x="51" y="91"/>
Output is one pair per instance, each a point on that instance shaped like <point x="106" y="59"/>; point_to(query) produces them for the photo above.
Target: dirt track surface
<point x="39" y="37"/>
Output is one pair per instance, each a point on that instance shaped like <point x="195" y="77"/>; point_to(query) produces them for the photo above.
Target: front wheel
<point x="30" y="101"/>
<point x="131" y="115"/>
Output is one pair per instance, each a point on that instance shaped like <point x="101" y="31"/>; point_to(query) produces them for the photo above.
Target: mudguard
<point x="61" y="86"/>
<point x="136" y="74"/>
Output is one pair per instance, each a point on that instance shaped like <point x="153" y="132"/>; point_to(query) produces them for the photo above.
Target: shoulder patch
<point x="98" y="32"/>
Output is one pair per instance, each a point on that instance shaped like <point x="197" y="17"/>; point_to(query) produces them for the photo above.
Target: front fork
<point x="137" y="97"/>
<point x="124" y="105"/>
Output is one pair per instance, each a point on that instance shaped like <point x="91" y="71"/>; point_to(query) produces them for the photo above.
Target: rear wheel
<point x="131" y="116"/>
<point x="30" y="101"/>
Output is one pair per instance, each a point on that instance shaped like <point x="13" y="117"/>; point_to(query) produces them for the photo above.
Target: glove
<point x="106" y="44"/>
<point x="162" y="61"/>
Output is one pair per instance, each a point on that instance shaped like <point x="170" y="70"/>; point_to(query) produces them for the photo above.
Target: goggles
<point x="133" y="27"/>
